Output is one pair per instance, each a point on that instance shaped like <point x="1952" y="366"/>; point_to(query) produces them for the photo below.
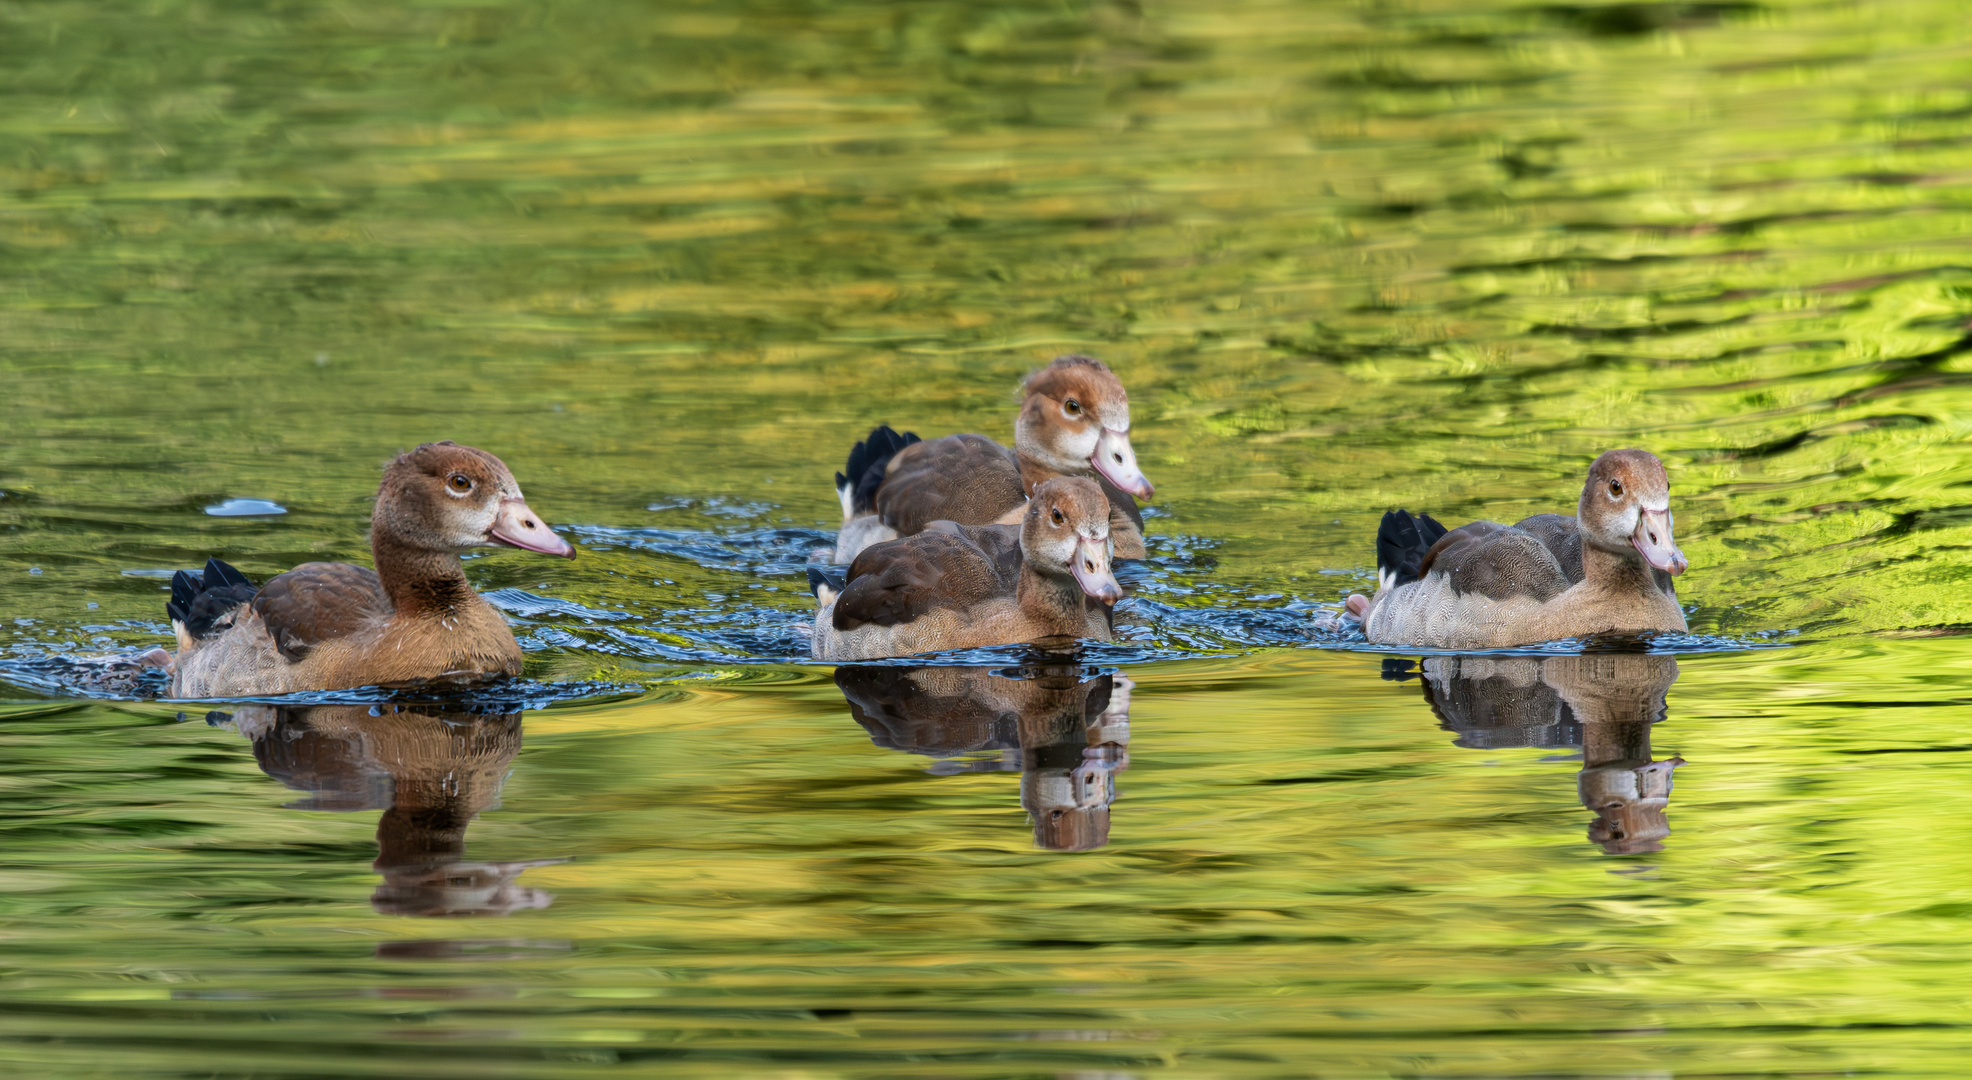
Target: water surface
<point x="670" y="263"/>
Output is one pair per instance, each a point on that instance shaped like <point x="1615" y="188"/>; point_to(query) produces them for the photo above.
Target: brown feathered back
<point x="1497" y="562"/>
<point x="1558" y="533"/>
<point x="969" y="479"/>
<point x="904" y="579"/>
<point x="319" y="602"/>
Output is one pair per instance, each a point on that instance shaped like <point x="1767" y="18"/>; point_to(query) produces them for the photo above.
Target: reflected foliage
<point x="670" y="263"/>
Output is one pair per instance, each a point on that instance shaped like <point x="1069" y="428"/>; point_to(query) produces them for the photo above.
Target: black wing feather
<point x="867" y="462"/>
<point x="220" y="575"/>
<point x="202" y="604"/>
<point x="1402" y="542"/>
<point x="818" y="577"/>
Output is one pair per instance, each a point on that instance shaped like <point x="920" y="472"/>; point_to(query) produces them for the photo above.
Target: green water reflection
<point x="669" y="261"/>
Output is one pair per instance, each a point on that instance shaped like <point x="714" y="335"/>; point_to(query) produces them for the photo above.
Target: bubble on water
<point x="246" y="508"/>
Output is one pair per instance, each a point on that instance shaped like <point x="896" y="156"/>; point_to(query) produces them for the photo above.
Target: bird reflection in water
<point x="430" y="772"/>
<point x="1603" y="703"/>
<point x="1066" y="731"/>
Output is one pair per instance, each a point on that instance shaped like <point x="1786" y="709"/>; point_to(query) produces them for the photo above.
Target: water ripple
<point x="1179" y="607"/>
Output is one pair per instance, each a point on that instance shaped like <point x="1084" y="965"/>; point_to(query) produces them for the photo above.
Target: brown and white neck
<point x="1613" y="571"/>
<point x="421" y="582"/>
<point x="1054" y="600"/>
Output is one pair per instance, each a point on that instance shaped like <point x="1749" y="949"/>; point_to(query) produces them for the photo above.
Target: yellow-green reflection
<point x="670" y="261"/>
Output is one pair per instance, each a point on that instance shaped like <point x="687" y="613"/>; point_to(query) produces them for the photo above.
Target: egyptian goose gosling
<point x="962" y="587"/>
<point x="1487" y="585"/>
<point x="1074" y="421"/>
<point x="332" y="626"/>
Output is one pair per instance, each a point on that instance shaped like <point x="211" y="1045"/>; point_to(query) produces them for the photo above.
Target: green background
<point x="1346" y="256"/>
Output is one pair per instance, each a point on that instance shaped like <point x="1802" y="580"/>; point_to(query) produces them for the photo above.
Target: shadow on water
<point x="1064" y="728"/>
<point x="429" y="770"/>
<point x="1602" y="704"/>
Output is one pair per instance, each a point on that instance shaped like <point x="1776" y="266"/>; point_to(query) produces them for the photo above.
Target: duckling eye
<point x="1072" y="407"/>
<point x="1056" y="515"/>
<point x="459" y="482"/>
<point x="1615" y="489"/>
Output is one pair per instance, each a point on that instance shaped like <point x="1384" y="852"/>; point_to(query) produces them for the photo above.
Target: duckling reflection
<point x="1604" y="703"/>
<point x="430" y="772"/>
<point x="1067" y="733"/>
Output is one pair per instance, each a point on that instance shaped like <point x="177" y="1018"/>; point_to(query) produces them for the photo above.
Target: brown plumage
<point x="1488" y="585"/>
<point x="1559" y="533"/>
<point x="960" y="587"/>
<point x="967" y="479"/>
<point x="1074" y="421"/>
<point x="330" y="626"/>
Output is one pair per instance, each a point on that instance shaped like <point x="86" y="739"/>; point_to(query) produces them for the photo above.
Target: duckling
<point x="1487" y="585"/>
<point x="1074" y="421"/>
<point x="961" y="587"/>
<point x="333" y="626"/>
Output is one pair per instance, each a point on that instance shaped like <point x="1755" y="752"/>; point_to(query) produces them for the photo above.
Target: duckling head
<point x="443" y="497"/>
<point x="1066" y="534"/>
<point x="1076" y="421"/>
<point x="1626" y="507"/>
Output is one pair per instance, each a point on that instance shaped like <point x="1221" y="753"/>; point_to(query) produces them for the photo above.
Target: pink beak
<point x="517" y="526"/>
<point x="1652" y="538"/>
<point x="1118" y="463"/>
<point x="1092" y="571"/>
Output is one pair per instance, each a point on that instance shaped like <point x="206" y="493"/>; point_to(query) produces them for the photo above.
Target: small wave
<point x="767" y="552"/>
<point x="1348" y="637"/>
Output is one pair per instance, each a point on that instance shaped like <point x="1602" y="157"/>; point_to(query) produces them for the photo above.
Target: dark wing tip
<point x="818" y="577"/>
<point x="185" y="587"/>
<point x="219" y="575"/>
<point x="199" y="602"/>
<point x="867" y="462"/>
<point x="1402" y="542"/>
